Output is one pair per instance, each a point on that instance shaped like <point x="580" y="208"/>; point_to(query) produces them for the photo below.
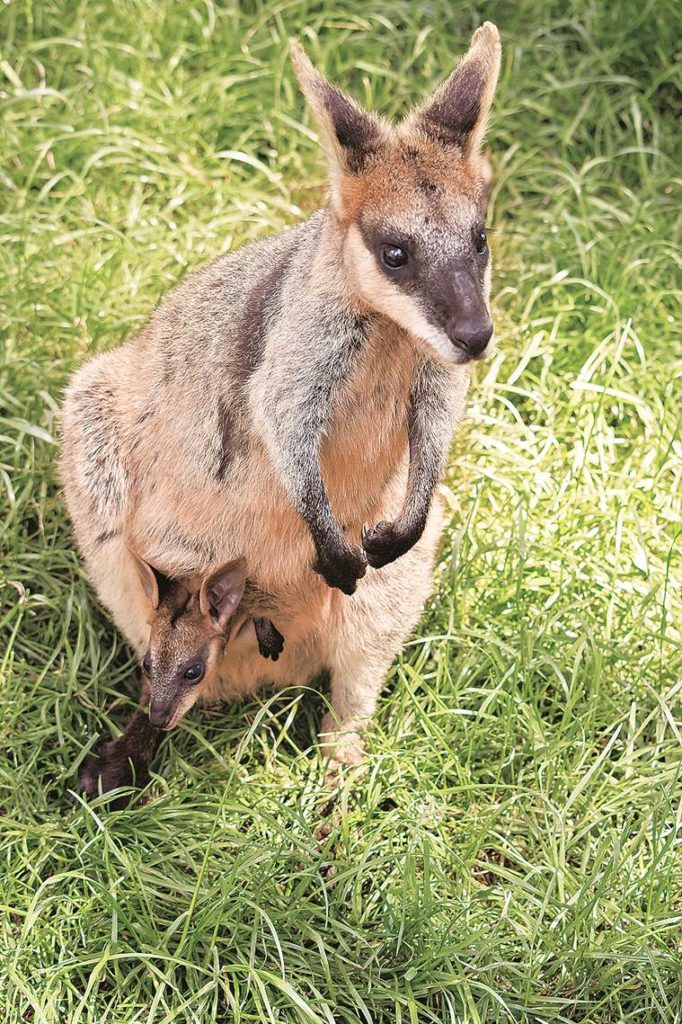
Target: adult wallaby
<point x="287" y="395"/>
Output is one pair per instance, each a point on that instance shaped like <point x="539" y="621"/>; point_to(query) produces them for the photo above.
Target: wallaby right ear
<point x="457" y="113"/>
<point x="154" y="583"/>
<point x="349" y="134"/>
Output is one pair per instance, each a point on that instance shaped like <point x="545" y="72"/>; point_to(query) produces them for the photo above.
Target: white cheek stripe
<point x="384" y="296"/>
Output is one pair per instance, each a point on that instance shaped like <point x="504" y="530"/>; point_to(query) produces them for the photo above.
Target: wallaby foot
<point x="385" y="542"/>
<point x="343" y="745"/>
<point x="341" y="567"/>
<point x="337" y="778"/>
<point x="121" y="762"/>
<point x="346" y="764"/>
<point x="270" y="640"/>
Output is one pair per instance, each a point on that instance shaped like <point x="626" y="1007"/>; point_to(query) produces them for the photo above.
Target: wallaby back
<point x="288" y="396"/>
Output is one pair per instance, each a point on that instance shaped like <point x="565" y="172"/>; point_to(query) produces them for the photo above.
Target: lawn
<point x="514" y="852"/>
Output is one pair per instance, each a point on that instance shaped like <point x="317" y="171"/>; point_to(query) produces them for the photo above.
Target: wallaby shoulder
<point x="224" y="307"/>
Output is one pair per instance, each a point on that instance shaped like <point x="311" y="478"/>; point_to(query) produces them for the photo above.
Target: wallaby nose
<point x="472" y="337"/>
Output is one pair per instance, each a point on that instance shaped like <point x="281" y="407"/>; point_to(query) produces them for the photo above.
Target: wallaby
<point x="287" y="395"/>
<point x="191" y="623"/>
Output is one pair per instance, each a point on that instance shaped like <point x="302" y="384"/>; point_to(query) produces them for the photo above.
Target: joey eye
<point x="393" y="256"/>
<point x="193" y="673"/>
<point x="481" y="241"/>
<point x="147" y="665"/>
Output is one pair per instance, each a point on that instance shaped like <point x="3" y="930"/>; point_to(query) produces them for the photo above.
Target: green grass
<point x="514" y="853"/>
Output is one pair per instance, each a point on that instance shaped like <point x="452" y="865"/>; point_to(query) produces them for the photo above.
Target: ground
<point x="513" y="852"/>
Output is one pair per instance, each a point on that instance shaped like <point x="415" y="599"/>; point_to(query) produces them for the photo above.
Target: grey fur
<point x="276" y="393"/>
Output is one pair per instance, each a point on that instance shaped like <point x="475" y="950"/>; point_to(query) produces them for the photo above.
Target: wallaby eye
<point x="481" y="241"/>
<point x="193" y="673"/>
<point x="147" y="665"/>
<point x="393" y="256"/>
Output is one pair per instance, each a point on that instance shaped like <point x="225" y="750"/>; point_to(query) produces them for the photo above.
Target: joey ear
<point x="154" y="583"/>
<point x="457" y="113"/>
<point x="349" y="134"/>
<point x="221" y="591"/>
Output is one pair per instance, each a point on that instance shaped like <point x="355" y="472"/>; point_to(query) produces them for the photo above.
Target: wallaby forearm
<point x="434" y="406"/>
<point x="297" y="458"/>
<point x="300" y="401"/>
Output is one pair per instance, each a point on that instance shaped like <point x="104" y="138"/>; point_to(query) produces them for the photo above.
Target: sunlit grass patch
<point x="513" y="853"/>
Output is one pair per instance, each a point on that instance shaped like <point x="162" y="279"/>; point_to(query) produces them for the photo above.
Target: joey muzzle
<point x="164" y="713"/>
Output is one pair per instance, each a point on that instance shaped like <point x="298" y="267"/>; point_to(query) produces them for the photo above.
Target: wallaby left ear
<point x="349" y="134"/>
<point x="457" y="113"/>
<point x="156" y="585"/>
<point x="221" y="591"/>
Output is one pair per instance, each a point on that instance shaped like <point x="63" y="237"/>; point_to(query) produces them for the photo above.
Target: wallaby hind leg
<point x="355" y="686"/>
<point x="368" y="632"/>
<point x="124" y="761"/>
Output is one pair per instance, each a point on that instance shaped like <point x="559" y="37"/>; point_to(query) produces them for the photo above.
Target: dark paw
<point x="270" y="640"/>
<point x="111" y="767"/>
<point x="385" y="542"/>
<point x="342" y="569"/>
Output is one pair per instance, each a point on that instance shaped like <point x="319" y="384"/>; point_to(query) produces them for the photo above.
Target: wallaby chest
<point x="368" y="430"/>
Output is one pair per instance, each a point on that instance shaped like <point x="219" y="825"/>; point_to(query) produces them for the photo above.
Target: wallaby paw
<point x="384" y="543"/>
<point x="342" y="569"/>
<point x="111" y="767"/>
<point x="270" y="640"/>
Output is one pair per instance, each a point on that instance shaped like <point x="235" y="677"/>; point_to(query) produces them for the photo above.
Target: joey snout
<point x="169" y="704"/>
<point x="162" y="715"/>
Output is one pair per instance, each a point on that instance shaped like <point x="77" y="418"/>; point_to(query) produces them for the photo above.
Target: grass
<point x="514" y="853"/>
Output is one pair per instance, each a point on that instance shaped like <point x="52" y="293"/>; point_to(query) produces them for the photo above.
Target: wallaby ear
<point x="457" y="113"/>
<point x="349" y="134"/>
<point x="221" y="591"/>
<point x="154" y="583"/>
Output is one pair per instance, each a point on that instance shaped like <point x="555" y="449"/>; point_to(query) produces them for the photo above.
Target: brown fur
<point x="285" y="396"/>
<point x="191" y="622"/>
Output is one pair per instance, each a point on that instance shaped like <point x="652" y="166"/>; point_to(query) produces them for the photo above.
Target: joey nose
<point x="160" y="714"/>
